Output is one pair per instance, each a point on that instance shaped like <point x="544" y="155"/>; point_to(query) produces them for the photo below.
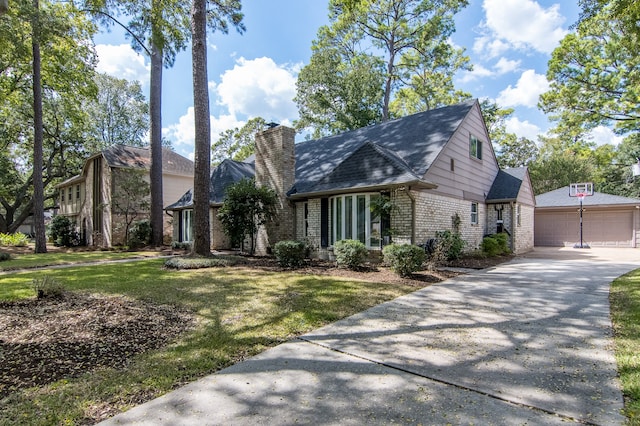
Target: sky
<point x="253" y="74"/>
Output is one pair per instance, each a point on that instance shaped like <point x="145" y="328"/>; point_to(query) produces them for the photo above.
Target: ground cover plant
<point x="161" y="327"/>
<point x="625" y="315"/>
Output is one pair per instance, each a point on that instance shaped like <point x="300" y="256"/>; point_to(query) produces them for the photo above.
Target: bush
<point x="139" y="234"/>
<point x="350" y="253"/>
<point x="404" y="259"/>
<point x="4" y="256"/>
<point x="13" y="240"/>
<point x="449" y="244"/>
<point x="62" y="232"/>
<point x="181" y="245"/>
<point x="201" y="262"/>
<point x="496" y="244"/>
<point x="290" y="254"/>
<point x="47" y="288"/>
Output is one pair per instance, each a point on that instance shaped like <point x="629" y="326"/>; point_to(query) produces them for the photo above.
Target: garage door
<point x="601" y="228"/>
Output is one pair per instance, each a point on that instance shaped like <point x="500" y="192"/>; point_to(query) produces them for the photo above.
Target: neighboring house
<point x="87" y="199"/>
<point x="607" y="220"/>
<point x="437" y="168"/>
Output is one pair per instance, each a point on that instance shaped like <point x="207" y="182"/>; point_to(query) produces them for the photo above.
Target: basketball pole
<point x="582" y="246"/>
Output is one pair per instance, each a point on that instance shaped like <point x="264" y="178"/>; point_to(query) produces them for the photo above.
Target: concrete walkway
<point x="527" y="342"/>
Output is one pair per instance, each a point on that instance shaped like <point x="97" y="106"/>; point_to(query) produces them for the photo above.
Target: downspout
<point x="512" y="237"/>
<point x="413" y="215"/>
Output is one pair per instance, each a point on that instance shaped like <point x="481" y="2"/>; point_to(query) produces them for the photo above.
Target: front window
<point x="186" y="225"/>
<point x="70" y="194"/>
<point x="351" y="218"/>
<point x="474" y="213"/>
<point x="77" y="192"/>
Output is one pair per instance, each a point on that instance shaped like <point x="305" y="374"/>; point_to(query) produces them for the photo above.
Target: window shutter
<point x="479" y="150"/>
<point x="324" y="222"/>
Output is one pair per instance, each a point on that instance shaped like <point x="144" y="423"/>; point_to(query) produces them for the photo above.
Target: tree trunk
<point x="202" y="160"/>
<point x="155" y="109"/>
<point x="38" y="136"/>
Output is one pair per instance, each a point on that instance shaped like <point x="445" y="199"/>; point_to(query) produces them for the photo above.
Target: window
<point x="351" y="218"/>
<point x="474" y="213"/>
<point x="475" y="147"/>
<point x="77" y="192"/>
<point x="306" y="219"/>
<point x="518" y="214"/>
<point x="62" y="196"/>
<point x="186" y="225"/>
<point x="453" y="165"/>
<point x="70" y="194"/>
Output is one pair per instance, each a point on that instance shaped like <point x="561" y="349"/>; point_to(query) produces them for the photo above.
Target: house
<point x="607" y="220"/>
<point x="437" y="169"/>
<point x="88" y="198"/>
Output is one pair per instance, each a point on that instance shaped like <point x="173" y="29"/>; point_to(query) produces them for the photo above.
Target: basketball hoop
<point x="581" y="190"/>
<point x="581" y="195"/>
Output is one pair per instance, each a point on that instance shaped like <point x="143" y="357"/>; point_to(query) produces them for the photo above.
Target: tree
<point x="246" y="207"/>
<point x="593" y="74"/>
<point x="238" y="143"/>
<point x="130" y="199"/>
<point x="54" y="132"/>
<point x="120" y="113"/>
<point x="225" y="12"/>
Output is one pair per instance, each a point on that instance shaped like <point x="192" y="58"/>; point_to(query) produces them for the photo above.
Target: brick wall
<point x="275" y="168"/>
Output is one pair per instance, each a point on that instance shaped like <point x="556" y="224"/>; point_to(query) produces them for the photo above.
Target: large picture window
<point x="352" y="219"/>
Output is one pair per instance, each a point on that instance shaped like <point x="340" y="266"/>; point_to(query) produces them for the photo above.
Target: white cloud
<point x="489" y="46"/>
<point x="602" y="135"/>
<point x="523" y="129"/>
<point x="504" y="65"/>
<point x="526" y="92"/>
<point x="259" y="87"/>
<point x="122" y="61"/>
<point x="477" y="72"/>
<point x="522" y="24"/>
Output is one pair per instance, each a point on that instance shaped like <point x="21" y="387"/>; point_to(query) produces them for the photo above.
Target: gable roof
<point x="506" y="186"/>
<point x="124" y="156"/>
<point x="223" y="175"/>
<point x="411" y="143"/>
<point x="560" y="198"/>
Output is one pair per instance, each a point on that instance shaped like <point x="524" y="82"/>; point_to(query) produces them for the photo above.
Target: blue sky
<point x="509" y="43"/>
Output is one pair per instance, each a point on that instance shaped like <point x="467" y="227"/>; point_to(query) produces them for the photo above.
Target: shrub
<point x="404" y="259"/>
<point x="201" y="262"/>
<point x="181" y="245"/>
<point x="139" y="234"/>
<point x="450" y="244"/>
<point x="62" y="232"/>
<point x="14" y="240"/>
<point x="496" y="244"/>
<point x="4" y="256"/>
<point x="350" y="253"/>
<point x="290" y="254"/>
<point x="47" y="287"/>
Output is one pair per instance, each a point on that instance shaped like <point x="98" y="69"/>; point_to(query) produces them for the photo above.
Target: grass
<point x="24" y="261"/>
<point x="240" y="313"/>
<point x="625" y="314"/>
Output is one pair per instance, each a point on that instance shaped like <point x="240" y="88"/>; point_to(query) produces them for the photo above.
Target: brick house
<point x="436" y="168"/>
<point x="87" y="198"/>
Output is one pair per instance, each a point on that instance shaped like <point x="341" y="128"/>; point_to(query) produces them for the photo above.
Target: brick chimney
<point x="275" y="168"/>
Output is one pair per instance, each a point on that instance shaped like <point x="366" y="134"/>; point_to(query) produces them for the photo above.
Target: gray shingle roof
<point x="560" y="198"/>
<point x="134" y="157"/>
<point x="222" y="176"/>
<point x="506" y="185"/>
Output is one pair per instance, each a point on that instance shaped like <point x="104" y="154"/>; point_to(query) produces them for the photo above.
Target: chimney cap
<point x="272" y="124"/>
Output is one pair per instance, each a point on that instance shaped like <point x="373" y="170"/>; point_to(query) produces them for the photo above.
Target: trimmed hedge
<point x="495" y="244"/>
<point x="350" y="253"/>
<point x="290" y="254"/>
<point x="404" y="259"/>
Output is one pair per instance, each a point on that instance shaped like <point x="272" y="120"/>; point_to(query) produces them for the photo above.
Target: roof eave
<point x="365" y="188"/>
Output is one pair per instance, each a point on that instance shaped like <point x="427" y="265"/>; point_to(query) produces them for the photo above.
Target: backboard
<point x="581" y="189"/>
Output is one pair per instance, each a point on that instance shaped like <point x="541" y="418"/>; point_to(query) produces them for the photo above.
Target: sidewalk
<point x="527" y="342"/>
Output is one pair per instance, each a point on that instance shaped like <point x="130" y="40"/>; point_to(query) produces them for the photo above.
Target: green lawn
<point x="25" y="261"/>
<point x="625" y="314"/>
<point x="240" y="312"/>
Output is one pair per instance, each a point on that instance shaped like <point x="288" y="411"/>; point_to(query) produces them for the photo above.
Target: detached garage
<point x="608" y="220"/>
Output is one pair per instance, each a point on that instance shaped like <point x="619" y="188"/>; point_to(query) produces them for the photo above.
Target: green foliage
<point x="404" y="259"/>
<point x="17" y="239"/>
<point x="197" y="262"/>
<point x="495" y="244"/>
<point x="449" y="245"/>
<point x="245" y="208"/>
<point x="139" y="234"/>
<point x="290" y="254"/>
<point x="181" y="245"/>
<point x="237" y="144"/>
<point x="130" y="200"/>
<point x="4" y="256"/>
<point x="350" y="253"/>
<point x="47" y="288"/>
<point x="62" y="232"/>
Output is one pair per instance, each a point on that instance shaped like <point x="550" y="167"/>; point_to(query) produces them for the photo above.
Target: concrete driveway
<point x="526" y="342"/>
